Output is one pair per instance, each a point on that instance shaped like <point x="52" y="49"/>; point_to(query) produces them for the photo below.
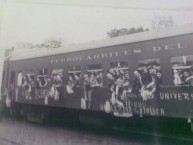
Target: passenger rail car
<point x="143" y="74"/>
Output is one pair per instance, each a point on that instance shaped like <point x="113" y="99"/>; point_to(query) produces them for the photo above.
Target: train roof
<point x="136" y="37"/>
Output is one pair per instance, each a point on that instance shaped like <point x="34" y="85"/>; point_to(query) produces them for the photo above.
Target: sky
<point x="81" y="21"/>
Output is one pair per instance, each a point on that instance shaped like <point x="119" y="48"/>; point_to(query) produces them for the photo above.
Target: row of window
<point x="182" y="67"/>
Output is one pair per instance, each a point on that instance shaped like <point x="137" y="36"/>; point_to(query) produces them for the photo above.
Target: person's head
<point x="92" y="76"/>
<point x="175" y="71"/>
<point x="30" y="79"/>
<point x="85" y="76"/>
<point x="118" y="72"/>
<point x="76" y="77"/>
<point x="70" y="78"/>
<point x="100" y="74"/>
<point x="24" y="78"/>
<point x="49" y="79"/>
<point x="127" y="76"/>
<point x="145" y="70"/>
<point x="55" y="77"/>
<point x="191" y="70"/>
<point x="136" y="73"/>
<point x="159" y="75"/>
<point x="152" y="71"/>
<point x="111" y="71"/>
<point x="38" y="79"/>
<point x="186" y="73"/>
<point x="109" y="76"/>
<point x="123" y="77"/>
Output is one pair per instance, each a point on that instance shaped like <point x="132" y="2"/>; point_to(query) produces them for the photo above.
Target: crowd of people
<point x="118" y="84"/>
<point x="183" y="77"/>
<point x="91" y="79"/>
<point x="43" y="87"/>
<point x="73" y="82"/>
<point x="146" y="80"/>
<point x="182" y="70"/>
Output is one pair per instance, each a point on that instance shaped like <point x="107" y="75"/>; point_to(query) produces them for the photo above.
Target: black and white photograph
<point x="90" y="72"/>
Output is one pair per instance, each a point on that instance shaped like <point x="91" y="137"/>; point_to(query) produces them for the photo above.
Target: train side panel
<point x="152" y="78"/>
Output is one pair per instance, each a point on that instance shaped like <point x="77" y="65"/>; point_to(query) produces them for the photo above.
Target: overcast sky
<point x="80" y="21"/>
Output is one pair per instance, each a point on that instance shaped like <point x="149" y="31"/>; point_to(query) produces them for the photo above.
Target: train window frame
<point x="44" y="72"/>
<point x="57" y="71"/>
<point x="95" y="70"/>
<point x="42" y="76"/>
<point x="119" y="74"/>
<point x="124" y="70"/>
<point x="119" y="67"/>
<point x="74" y="73"/>
<point x="74" y="70"/>
<point x="97" y="80"/>
<point x="151" y="66"/>
<point x="182" y="70"/>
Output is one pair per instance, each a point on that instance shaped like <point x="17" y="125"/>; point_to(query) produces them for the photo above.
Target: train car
<point x="143" y="74"/>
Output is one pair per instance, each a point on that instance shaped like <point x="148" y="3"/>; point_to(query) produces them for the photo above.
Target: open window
<point x="31" y="75"/>
<point x="74" y="75"/>
<point x="182" y="67"/>
<point x="119" y="72"/>
<point x="150" y="69"/>
<point x="119" y="69"/>
<point x="42" y="76"/>
<point x="57" y="71"/>
<point x="57" y="76"/>
<point x="74" y="71"/>
<point x="95" y="74"/>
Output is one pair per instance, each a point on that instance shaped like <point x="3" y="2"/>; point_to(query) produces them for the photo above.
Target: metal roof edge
<point x="136" y="37"/>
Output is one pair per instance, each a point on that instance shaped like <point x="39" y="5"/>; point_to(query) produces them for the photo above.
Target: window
<point x="95" y="74"/>
<point x="150" y="70"/>
<point x="30" y="74"/>
<point x="57" y="71"/>
<point x="182" y="67"/>
<point x="74" y="74"/>
<point x="74" y="70"/>
<point x="56" y="77"/>
<point x="43" y="71"/>
<point x="27" y="79"/>
<point x="118" y="81"/>
<point x="42" y="77"/>
<point x="94" y="68"/>
<point x="119" y="71"/>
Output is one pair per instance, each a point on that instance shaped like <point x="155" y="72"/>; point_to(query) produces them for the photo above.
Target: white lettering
<point x="157" y="48"/>
<point x="137" y="51"/>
